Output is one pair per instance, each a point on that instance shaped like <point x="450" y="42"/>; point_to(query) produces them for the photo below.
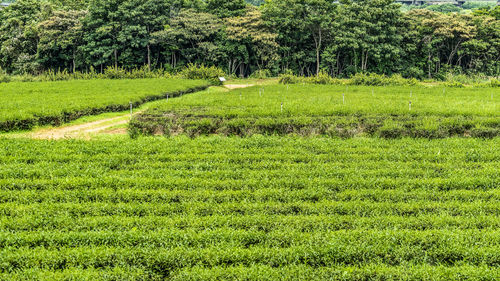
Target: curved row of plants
<point x="26" y="105"/>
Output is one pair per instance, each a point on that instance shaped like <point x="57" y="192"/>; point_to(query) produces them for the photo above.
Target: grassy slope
<point x="217" y="208"/>
<point x="24" y="105"/>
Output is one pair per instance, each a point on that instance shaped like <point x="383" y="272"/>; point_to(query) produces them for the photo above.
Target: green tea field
<point x="274" y="182"/>
<point x="249" y="140"/>
<point x="341" y="111"/>
<point x="259" y="208"/>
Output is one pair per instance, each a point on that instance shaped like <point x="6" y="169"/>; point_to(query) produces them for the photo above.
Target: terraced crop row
<point x="388" y="112"/>
<point x="24" y="105"/>
<point x="268" y="208"/>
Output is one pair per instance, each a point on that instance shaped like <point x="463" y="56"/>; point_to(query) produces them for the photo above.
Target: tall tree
<point x="102" y="28"/>
<point x="19" y="36"/>
<point x="367" y="32"/>
<point x="140" y="20"/>
<point x="441" y="37"/>
<point x="193" y="35"/>
<point x="302" y="24"/>
<point x="250" y="41"/>
<point x="61" y="36"/>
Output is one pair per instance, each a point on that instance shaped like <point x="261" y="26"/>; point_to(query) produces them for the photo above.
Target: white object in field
<point x="222" y="79"/>
<point x="282" y="107"/>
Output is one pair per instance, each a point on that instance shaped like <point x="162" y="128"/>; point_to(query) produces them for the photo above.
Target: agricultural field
<point x="214" y="208"/>
<point x="24" y="105"/>
<point x="340" y="111"/>
<point x="268" y="182"/>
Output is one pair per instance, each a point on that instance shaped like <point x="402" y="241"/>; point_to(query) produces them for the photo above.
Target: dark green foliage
<point x="226" y="8"/>
<point x="444" y="8"/>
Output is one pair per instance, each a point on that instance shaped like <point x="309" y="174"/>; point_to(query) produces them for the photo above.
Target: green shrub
<point x="370" y="79"/>
<point x="321" y="78"/>
<point x="398" y="80"/>
<point x="495" y="83"/>
<point x="289" y="78"/>
<point x="453" y="84"/>
<point x="210" y="73"/>
<point x="261" y="74"/>
<point x="115" y="73"/>
<point x="4" y="78"/>
<point x="109" y="73"/>
<point x="373" y="79"/>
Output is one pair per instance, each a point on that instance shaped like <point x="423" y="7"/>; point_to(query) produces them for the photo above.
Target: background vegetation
<point x="279" y="36"/>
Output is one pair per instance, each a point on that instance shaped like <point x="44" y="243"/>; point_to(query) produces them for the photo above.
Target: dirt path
<point x="84" y="130"/>
<point x="238" y="86"/>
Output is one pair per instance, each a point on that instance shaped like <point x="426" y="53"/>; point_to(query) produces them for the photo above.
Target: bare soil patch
<point x="238" y="86"/>
<point x="82" y="130"/>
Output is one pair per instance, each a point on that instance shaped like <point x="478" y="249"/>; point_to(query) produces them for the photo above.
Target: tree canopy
<point x="305" y="37"/>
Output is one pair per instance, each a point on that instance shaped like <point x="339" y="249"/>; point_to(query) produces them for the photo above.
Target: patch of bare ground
<point x="83" y="130"/>
<point x="116" y="131"/>
<point x="238" y="86"/>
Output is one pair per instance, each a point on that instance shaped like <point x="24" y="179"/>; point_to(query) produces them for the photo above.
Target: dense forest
<point x="305" y="37"/>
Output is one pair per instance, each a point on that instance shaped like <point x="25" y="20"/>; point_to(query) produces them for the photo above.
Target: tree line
<point x="305" y="37"/>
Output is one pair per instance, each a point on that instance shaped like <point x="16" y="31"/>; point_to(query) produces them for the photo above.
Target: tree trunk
<point x="74" y="62"/>
<point x="149" y="57"/>
<point x="453" y="52"/>
<point x="317" y="43"/>
<point x="362" y="60"/>
<point x="317" y="61"/>
<point x="365" y="64"/>
<point x="338" y="63"/>
<point x="116" y="59"/>
<point x="429" y="65"/>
